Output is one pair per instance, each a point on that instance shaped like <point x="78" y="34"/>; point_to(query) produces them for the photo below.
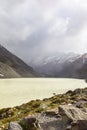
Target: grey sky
<point x="31" y="28"/>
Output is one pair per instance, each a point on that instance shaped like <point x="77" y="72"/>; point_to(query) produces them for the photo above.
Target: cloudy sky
<point x="31" y="28"/>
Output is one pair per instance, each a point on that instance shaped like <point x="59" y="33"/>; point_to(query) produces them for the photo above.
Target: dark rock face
<point x="14" y="126"/>
<point x="30" y="123"/>
<point x="11" y="66"/>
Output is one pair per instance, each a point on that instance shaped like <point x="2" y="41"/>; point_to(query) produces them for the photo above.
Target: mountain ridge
<point x="12" y="66"/>
<point x="63" y="65"/>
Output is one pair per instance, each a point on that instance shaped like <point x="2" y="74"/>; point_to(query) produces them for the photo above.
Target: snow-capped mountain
<point x="76" y="69"/>
<point x="52" y="66"/>
<point x="58" y="58"/>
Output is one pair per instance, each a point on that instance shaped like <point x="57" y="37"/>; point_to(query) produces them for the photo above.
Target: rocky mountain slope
<point x="64" y="65"/>
<point x="61" y="112"/>
<point x="12" y="66"/>
<point x="76" y="69"/>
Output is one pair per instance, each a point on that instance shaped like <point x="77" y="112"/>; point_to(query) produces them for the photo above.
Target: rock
<point x="73" y="116"/>
<point x="82" y="124"/>
<point x="72" y="112"/>
<point x="9" y="113"/>
<point x="68" y="127"/>
<point x="49" y="122"/>
<point x="79" y="125"/>
<point x="85" y="91"/>
<point x="30" y="122"/>
<point x="30" y="119"/>
<point x="81" y="103"/>
<point x="14" y="126"/>
<point x="75" y="92"/>
<point x="52" y="113"/>
<point x="45" y="99"/>
<point x="69" y="92"/>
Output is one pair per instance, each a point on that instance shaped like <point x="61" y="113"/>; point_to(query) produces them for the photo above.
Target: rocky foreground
<point x="61" y="112"/>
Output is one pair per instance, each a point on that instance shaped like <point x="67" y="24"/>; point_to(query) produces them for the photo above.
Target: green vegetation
<point x="39" y="106"/>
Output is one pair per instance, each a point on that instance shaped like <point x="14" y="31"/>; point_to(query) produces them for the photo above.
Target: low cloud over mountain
<point x="32" y="28"/>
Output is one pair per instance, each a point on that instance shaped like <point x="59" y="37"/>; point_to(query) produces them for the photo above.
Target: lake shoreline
<point x="15" y="92"/>
<point x="46" y="111"/>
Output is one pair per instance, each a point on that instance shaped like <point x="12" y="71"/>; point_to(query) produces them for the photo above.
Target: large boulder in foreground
<point x="73" y="118"/>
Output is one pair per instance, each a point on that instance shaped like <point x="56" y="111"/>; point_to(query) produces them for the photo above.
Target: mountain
<point x="12" y="66"/>
<point x="63" y="65"/>
<point x="51" y="66"/>
<point x="76" y="69"/>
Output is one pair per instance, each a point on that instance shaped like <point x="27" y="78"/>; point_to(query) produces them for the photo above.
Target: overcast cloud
<point x="31" y="28"/>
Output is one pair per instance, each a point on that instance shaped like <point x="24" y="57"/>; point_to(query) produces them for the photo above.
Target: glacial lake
<point x="15" y="92"/>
